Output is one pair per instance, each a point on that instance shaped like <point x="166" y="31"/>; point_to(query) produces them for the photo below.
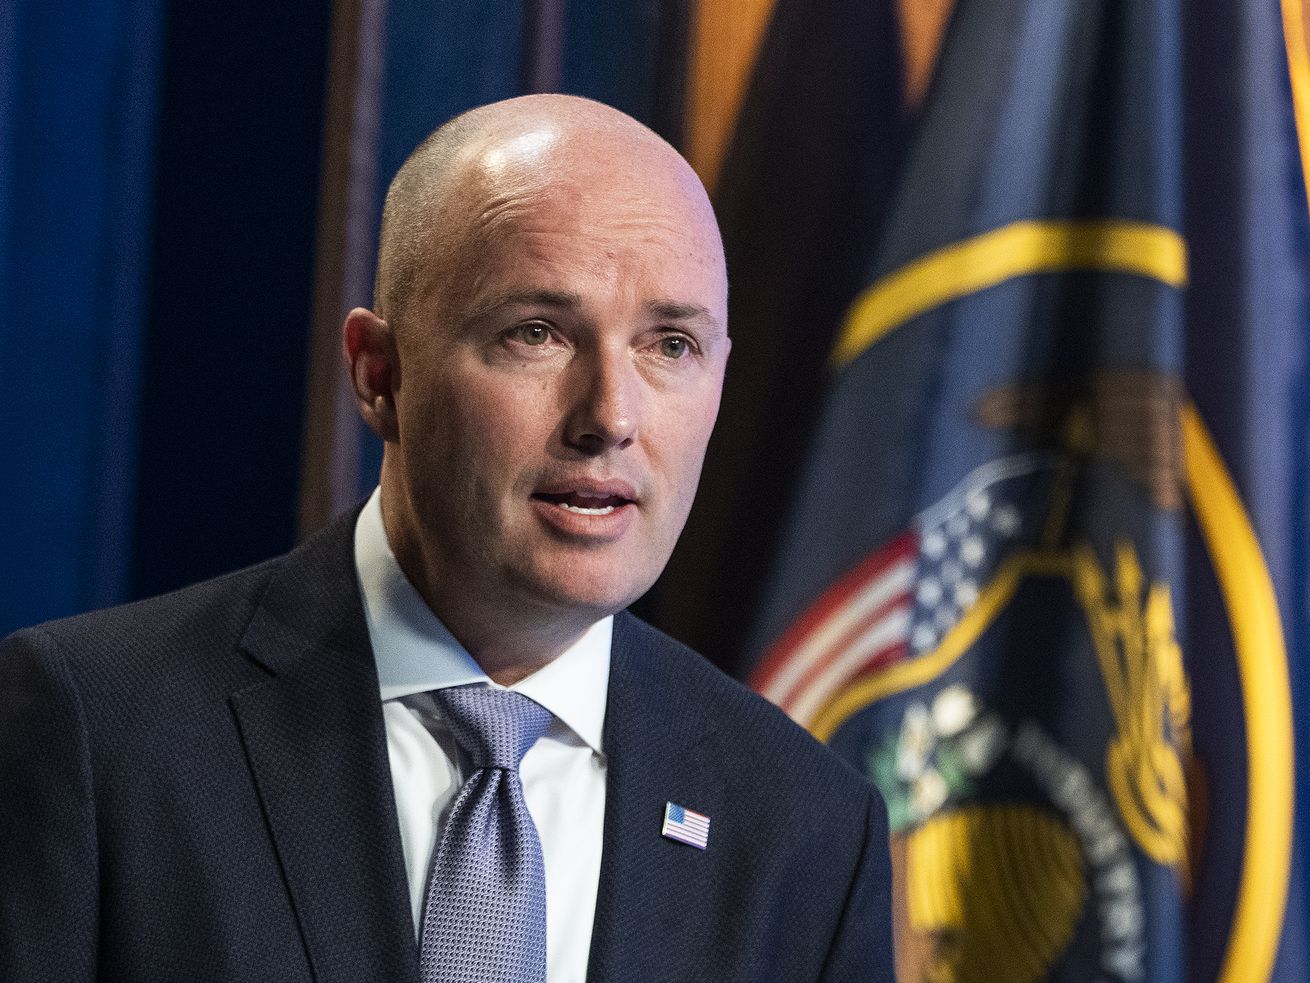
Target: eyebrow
<point x="665" y="310"/>
<point x="673" y="310"/>
<point x="536" y="298"/>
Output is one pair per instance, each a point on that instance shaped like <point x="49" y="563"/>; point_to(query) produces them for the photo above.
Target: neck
<point x="508" y="656"/>
<point x="510" y="638"/>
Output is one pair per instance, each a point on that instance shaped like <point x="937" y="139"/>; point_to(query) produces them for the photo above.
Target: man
<point x="284" y="774"/>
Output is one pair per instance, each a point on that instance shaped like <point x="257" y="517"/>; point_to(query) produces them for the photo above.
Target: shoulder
<point x="155" y="636"/>
<point x="672" y="670"/>
<point x="136" y="661"/>
<point x="220" y="607"/>
<point x="744" y="730"/>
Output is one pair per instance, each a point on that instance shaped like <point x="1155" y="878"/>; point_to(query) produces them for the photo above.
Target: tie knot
<point x="495" y="727"/>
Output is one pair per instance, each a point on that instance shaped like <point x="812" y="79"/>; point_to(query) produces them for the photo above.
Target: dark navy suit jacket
<point x="196" y="787"/>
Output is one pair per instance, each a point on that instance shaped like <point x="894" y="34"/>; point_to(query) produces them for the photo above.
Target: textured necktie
<point x="485" y="914"/>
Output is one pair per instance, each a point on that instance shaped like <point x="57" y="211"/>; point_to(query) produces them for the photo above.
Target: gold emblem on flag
<point x="1132" y="628"/>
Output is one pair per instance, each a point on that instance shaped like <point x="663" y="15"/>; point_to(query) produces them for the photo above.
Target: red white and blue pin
<point x="685" y="826"/>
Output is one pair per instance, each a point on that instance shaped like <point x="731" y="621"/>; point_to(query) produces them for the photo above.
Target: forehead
<point x="598" y="223"/>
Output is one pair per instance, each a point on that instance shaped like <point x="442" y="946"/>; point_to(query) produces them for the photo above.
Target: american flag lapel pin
<point x="685" y="826"/>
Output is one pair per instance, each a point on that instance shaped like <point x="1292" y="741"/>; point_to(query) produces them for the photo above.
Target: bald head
<point x="546" y="369"/>
<point x="509" y="152"/>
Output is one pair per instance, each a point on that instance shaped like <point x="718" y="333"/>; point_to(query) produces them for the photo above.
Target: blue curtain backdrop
<point x="78" y="93"/>
<point x="232" y="239"/>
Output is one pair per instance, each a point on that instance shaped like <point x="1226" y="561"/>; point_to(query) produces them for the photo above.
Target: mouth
<point x="587" y="510"/>
<point x="587" y="500"/>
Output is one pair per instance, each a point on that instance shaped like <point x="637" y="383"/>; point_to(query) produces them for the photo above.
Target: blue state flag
<point x="1045" y="573"/>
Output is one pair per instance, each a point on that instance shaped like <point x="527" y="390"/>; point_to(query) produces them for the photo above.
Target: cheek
<point x="687" y="427"/>
<point x="697" y="414"/>
<point x="501" y="421"/>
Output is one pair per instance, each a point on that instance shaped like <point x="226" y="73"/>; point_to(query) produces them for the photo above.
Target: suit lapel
<point x="316" y="745"/>
<point x="650" y="742"/>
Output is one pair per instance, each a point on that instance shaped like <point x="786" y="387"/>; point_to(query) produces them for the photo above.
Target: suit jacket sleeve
<point x="862" y="948"/>
<point x="48" y="859"/>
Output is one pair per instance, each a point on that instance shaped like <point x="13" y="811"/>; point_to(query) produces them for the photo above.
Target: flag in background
<point x="1031" y="574"/>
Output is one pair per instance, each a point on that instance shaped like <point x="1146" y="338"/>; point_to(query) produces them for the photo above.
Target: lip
<point x="590" y="488"/>
<point x="596" y="528"/>
<point x="606" y="528"/>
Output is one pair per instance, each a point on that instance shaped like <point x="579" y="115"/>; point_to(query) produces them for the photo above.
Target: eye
<point x="674" y="346"/>
<point x="534" y="334"/>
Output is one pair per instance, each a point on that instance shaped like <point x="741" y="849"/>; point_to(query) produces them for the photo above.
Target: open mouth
<point x="582" y="503"/>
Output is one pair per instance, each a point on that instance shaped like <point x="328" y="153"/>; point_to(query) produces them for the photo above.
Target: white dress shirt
<point x="563" y="773"/>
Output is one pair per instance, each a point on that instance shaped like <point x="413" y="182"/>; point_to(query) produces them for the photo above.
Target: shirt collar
<point x="416" y="653"/>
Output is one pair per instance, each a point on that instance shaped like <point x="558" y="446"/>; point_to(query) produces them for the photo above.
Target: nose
<point x="606" y="403"/>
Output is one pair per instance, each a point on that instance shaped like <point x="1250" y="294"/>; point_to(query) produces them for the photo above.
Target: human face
<point x="559" y="382"/>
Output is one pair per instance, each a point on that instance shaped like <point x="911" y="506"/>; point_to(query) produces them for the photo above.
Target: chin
<point x="595" y="593"/>
<point x="595" y="604"/>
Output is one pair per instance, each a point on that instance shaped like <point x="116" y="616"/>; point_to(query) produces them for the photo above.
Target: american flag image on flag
<point x="898" y="603"/>
<point x="685" y="826"/>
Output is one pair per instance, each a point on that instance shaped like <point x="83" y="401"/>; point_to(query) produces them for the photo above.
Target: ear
<point x="370" y="350"/>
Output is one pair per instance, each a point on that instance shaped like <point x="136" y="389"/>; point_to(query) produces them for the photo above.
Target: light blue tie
<point x="485" y="915"/>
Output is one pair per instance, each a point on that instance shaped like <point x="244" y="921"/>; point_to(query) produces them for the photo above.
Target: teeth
<point x="579" y="510"/>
